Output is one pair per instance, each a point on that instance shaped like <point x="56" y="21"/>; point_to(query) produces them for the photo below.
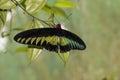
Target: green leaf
<point x="21" y="49"/>
<point x="18" y="29"/>
<point x="64" y="56"/>
<point x="47" y="8"/>
<point x="56" y="10"/>
<point x="2" y="18"/>
<point x="34" y="53"/>
<point x="59" y="12"/>
<point x="8" y="4"/>
<point x="51" y="20"/>
<point x="64" y="4"/>
<point x="36" y="24"/>
<point x="33" y="6"/>
<point x="31" y="24"/>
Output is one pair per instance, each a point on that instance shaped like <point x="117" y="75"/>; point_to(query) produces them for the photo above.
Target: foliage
<point x="34" y="7"/>
<point x="96" y="21"/>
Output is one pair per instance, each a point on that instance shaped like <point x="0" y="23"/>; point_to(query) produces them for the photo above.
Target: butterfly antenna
<point x="67" y="18"/>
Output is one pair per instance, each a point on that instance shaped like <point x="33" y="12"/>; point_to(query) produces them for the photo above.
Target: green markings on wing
<point x="74" y="44"/>
<point x="53" y="40"/>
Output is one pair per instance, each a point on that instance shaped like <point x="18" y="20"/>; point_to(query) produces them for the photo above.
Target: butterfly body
<point x="52" y="39"/>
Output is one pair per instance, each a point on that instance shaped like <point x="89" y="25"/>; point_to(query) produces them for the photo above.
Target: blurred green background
<point x="97" y="22"/>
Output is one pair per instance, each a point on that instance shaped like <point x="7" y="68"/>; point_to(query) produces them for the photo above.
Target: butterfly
<point x="52" y="39"/>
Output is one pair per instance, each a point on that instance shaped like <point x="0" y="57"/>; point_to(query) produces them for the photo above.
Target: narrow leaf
<point x="2" y="18"/>
<point x="51" y="20"/>
<point x="57" y="11"/>
<point x="64" y="56"/>
<point x="21" y="49"/>
<point x="64" y="4"/>
<point x="33" y="6"/>
<point x="8" y="4"/>
<point x="34" y="53"/>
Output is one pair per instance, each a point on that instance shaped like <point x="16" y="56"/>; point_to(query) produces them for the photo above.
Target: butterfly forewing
<point x="50" y="39"/>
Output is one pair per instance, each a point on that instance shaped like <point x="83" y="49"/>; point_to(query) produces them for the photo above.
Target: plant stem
<point x="17" y="3"/>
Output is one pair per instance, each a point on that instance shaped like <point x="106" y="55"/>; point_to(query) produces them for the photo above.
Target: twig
<point x="17" y="3"/>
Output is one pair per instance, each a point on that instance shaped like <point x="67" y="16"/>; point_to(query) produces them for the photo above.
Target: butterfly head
<point x="58" y="26"/>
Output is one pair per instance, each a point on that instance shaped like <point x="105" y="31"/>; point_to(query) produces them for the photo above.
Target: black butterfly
<point x="52" y="39"/>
